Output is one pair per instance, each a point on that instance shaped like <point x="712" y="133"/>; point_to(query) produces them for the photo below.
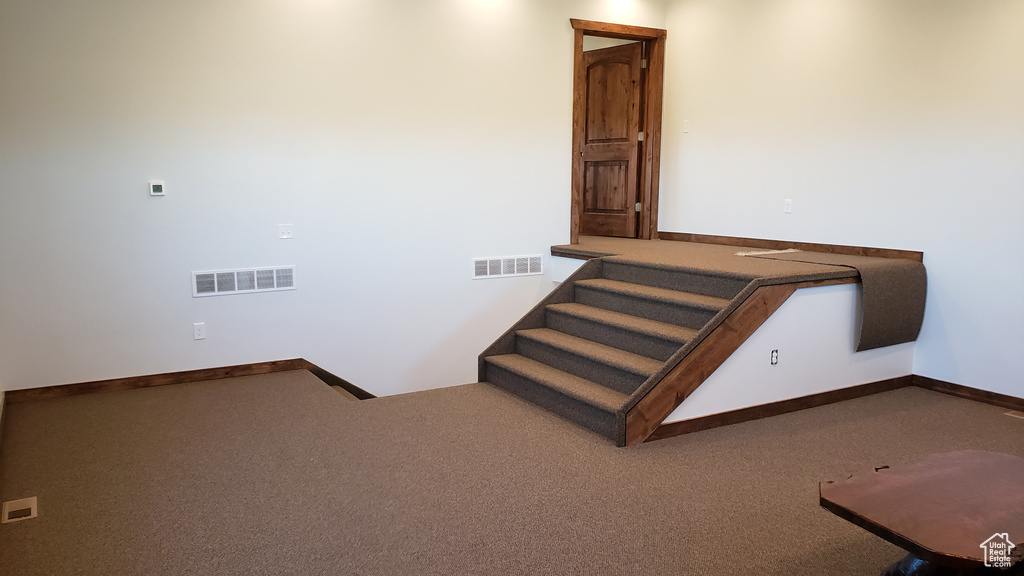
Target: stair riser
<point x="604" y="423"/>
<point x="693" y="318"/>
<point x="634" y="342"/>
<point x="603" y="374"/>
<point x="675" y="280"/>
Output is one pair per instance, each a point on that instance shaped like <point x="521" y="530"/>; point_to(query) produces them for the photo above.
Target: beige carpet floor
<point x="279" y="474"/>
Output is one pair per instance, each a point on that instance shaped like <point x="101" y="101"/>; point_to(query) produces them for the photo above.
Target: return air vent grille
<point x="505" y="266"/>
<point x="242" y="281"/>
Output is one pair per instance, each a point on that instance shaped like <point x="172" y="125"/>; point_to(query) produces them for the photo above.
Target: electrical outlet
<point x="199" y="331"/>
<point x="775" y="357"/>
<point x="284" y="231"/>
<point x="789" y="206"/>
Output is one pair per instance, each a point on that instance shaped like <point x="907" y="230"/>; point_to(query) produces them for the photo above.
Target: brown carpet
<point x="279" y="474"/>
<point x="706" y="257"/>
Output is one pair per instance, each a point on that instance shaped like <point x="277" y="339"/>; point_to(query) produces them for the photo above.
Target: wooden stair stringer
<point x="661" y="400"/>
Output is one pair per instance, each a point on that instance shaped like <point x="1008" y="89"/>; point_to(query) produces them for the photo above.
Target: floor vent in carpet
<point x="15" y="510"/>
<point x="505" y="266"/>
<point x="1015" y="414"/>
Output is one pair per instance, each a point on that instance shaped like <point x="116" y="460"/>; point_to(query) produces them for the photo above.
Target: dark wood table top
<point x="940" y="509"/>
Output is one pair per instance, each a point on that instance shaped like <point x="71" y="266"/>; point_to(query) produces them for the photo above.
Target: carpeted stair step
<point x="662" y="304"/>
<point x="587" y="403"/>
<point x="641" y="336"/>
<point x="611" y="367"/>
<point x="711" y="283"/>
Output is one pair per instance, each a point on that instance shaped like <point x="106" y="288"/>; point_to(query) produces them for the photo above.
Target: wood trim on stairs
<point x="777" y="408"/>
<point x="783" y="244"/>
<point x="645" y="417"/>
<point x="993" y="398"/>
<point x="148" y="381"/>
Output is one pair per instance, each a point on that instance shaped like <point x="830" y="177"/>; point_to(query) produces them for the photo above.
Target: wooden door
<point x="609" y="152"/>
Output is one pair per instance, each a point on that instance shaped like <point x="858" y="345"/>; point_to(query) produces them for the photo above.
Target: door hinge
<point x="640" y="137"/>
<point x="637" y="206"/>
<point x="643" y="63"/>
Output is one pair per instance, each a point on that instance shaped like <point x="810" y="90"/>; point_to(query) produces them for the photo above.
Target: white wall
<point x="404" y="137"/>
<point x="400" y="137"/>
<point x="814" y="332"/>
<point x="893" y="124"/>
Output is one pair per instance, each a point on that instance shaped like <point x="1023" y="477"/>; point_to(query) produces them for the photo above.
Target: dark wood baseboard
<point x="782" y="245"/>
<point x="994" y="398"/>
<point x="778" y="408"/>
<point x="47" y="392"/>
<point x="333" y="380"/>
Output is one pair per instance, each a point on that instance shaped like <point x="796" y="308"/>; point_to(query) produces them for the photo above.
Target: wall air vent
<point x="242" y="281"/>
<point x="505" y="266"/>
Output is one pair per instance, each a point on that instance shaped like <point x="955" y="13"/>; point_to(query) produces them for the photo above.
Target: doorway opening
<point x="618" y="79"/>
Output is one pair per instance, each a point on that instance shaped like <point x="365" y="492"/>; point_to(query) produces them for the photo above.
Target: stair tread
<point x="662" y="330"/>
<point x="579" y="388"/>
<point x="666" y="295"/>
<point x="609" y="355"/>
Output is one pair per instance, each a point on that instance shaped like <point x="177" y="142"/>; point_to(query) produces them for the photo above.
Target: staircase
<point x="607" y="336"/>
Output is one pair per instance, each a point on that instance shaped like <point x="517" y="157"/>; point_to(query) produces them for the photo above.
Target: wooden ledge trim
<point x="576" y="254"/>
<point x="777" y="408"/>
<point x="149" y="381"/>
<point x="829" y="282"/>
<point x="783" y="244"/>
<point x="609" y="30"/>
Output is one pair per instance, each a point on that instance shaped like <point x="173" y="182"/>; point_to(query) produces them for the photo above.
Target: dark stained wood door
<point x="610" y="148"/>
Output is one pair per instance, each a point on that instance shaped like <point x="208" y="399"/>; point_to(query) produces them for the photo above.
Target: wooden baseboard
<point x="778" y="408"/>
<point x="782" y="245"/>
<point x="333" y="380"/>
<point x="994" y="398"/>
<point x="47" y="392"/>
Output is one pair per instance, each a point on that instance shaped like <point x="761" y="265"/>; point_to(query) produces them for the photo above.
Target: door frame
<point x="650" y="165"/>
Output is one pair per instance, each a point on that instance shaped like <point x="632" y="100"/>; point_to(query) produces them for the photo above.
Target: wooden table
<point x="940" y="509"/>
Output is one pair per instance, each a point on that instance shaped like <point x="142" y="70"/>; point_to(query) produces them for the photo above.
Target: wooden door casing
<point x="609" y="152"/>
<point x="648" y="166"/>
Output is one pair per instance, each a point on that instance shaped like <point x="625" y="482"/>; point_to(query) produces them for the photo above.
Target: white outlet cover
<point x="284" y="232"/>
